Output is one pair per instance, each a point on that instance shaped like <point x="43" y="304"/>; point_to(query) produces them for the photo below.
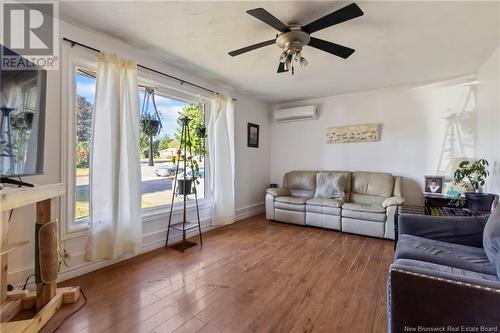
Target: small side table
<point x="432" y="211"/>
<point x="439" y="200"/>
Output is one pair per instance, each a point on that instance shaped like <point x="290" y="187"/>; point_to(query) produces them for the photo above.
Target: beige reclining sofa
<point x="356" y="202"/>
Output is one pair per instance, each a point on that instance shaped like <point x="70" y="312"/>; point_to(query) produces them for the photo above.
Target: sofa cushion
<point x="330" y="185"/>
<point x="300" y="180"/>
<point x="367" y="199"/>
<point x="292" y="200"/>
<point x="443" y="253"/>
<point x="368" y="216"/>
<point x="491" y="239"/>
<point x="445" y="269"/>
<point x="290" y="203"/>
<point x="360" y="207"/>
<point x="335" y="203"/>
<point x="289" y="206"/>
<point x="373" y="183"/>
<point x="324" y="206"/>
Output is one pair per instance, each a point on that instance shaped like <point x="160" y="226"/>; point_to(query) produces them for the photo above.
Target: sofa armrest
<point x="278" y="191"/>
<point x="465" y="230"/>
<point x="393" y="201"/>
<point x="421" y="298"/>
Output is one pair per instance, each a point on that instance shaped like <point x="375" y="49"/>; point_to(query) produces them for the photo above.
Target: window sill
<point x="151" y="214"/>
<point x="80" y="228"/>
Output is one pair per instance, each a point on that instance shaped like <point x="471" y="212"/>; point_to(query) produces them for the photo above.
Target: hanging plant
<point x="150" y="120"/>
<point x="150" y="126"/>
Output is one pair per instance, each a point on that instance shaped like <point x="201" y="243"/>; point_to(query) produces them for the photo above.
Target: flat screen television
<point x="22" y="118"/>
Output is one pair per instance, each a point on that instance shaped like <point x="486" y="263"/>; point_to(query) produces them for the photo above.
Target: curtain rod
<point x="181" y="81"/>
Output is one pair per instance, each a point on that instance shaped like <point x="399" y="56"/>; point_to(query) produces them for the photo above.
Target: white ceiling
<point x="396" y="42"/>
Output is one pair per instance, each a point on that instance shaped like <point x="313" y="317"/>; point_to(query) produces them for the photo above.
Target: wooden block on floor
<point x="70" y="294"/>
<point x="10" y="308"/>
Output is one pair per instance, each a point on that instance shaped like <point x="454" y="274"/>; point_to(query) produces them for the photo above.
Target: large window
<point x="158" y="178"/>
<point x="85" y="93"/>
<point x="159" y="172"/>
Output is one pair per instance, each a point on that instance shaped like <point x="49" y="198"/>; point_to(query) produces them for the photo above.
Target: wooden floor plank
<point x="252" y="276"/>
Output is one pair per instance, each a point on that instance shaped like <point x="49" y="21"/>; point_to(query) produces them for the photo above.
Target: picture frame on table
<point x="433" y="184"/>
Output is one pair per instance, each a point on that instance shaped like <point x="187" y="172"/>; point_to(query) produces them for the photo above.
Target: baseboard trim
<point x="249" y="211"/>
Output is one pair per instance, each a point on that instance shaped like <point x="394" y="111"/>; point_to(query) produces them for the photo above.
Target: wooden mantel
<point x="48" y="298"/>
<point x="15" y="197"/>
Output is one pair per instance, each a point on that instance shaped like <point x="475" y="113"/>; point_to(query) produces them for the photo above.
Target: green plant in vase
<point x="473" y="172"/>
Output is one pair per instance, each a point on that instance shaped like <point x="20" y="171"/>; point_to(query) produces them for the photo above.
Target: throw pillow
<point x="330" y="185"/>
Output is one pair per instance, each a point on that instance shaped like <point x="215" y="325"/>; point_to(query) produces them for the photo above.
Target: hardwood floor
<point x="252" y="276"/>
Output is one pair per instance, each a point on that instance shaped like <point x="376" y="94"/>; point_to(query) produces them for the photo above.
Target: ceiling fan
<point x="293" y="37"/>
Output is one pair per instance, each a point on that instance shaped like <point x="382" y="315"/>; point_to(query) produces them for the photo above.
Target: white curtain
<point x="115" y="162"/>
<point x="221" y="156"/>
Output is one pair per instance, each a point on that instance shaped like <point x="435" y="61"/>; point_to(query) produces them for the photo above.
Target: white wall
<point x="252" y="165"/>
<point x="488" y="143"/>
<point x="413" y="124"/>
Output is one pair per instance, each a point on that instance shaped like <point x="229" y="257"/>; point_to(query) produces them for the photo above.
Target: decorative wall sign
<point x="349" y="134"/>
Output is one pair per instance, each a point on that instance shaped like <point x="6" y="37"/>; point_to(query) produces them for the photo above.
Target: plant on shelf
<point x="474" y="172"/>
<point x="194" y="140"/>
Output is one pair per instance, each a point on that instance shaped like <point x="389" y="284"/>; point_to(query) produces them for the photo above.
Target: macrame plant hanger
<point x="150" y="120"/>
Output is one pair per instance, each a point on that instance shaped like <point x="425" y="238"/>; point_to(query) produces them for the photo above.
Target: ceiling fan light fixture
<point x="293" y="37"/>
<point x="303" y="62"/>
<point x="288" y="64"/>
<point x="283" y="56"/>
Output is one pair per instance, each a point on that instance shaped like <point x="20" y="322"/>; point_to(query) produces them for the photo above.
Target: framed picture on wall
<point x="253" y="135"/>
<point x="434" y="184"/>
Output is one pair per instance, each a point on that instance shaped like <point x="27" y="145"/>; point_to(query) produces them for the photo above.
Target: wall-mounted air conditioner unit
<point x="294" y="114"/>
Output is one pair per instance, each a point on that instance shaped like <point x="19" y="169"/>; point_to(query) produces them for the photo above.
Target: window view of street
<point x="157" y="179"/>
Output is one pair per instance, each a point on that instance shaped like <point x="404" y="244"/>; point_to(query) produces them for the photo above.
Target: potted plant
<point x="150" y="125"/>
<point x="195" y="150"/>
<point x="150" y="121"/>
<point x="475" y="173"/>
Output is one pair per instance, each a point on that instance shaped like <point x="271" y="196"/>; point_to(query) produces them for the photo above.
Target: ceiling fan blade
<point x="281" y="68"/>
<point x="252" y="47"/>
<point x="341" y="15"/>
<point x="335" y="49"/>
<point x="268" y="18"/>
